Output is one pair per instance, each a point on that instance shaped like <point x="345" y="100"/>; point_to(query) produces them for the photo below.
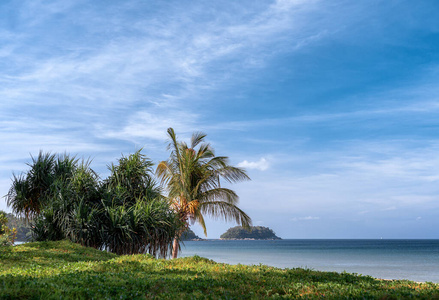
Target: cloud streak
<point x="308" y="218"/>
<point x="262" y="164"/>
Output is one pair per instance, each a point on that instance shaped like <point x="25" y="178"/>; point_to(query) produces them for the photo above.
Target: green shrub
<point x="124" y="214"/>
<point x="7" y="235"/>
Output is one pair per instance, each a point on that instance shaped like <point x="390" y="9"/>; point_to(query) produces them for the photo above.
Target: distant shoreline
<point x="250" y="239"/>
<point x="232" y="239"/>
<point x="389" y="259"/>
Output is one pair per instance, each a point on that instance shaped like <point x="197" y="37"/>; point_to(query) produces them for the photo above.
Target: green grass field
<point x="54" y="270"/>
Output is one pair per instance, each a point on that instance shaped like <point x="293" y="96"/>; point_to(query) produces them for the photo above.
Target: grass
<point x="54" y="270"/>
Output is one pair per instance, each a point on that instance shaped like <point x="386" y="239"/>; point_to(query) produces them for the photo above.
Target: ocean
<point x="416" y="260"/>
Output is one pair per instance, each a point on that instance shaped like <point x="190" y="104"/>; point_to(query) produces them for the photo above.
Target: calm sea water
<point x="416" y="260"/>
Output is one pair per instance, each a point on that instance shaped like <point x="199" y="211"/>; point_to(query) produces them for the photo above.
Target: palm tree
<point x="193" y="178"/>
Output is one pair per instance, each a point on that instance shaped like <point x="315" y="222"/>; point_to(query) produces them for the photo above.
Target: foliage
<point x="131" y="179"/>
<point x="23" y="227"/>
<point x="136" y="218"/>
<point x="54" y="270"/>
<point x="7" y="235"/>
<point x="255" y="232"/>
<point x="192" y="176"/>
<point x="3" y="221"/>
<point x="124" y="213"/>
<point x="45" y="194"/>
<point x="189" y="235"/>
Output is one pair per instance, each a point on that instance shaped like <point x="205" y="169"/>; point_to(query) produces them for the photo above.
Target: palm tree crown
<point x="193" y="178"/>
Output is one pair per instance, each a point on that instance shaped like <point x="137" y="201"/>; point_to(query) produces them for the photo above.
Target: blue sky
<point x="331" y="106"/>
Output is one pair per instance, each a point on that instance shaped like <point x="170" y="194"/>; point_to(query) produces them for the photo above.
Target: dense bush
<point x="124" y="214"/>
<point x="7" y="235"/>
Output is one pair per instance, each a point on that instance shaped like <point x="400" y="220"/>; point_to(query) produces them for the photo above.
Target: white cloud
<point x="308" y="218"/>
<point x="261" y="164"/>
<point x="389" y="208"/>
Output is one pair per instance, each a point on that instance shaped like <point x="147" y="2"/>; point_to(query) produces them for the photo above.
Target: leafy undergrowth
<point x="54" y="270"/>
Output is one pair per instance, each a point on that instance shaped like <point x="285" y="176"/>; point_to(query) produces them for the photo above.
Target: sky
<point x="332" y="107"/>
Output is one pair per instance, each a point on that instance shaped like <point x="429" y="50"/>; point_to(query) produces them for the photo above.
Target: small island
<point x="255" y="233"/>
<point x="189" y="235"/>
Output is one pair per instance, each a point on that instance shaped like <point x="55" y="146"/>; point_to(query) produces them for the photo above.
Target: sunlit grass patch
<point x="66" y="270"/>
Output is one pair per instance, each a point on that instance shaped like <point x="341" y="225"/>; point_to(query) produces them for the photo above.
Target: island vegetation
<point x="189" y="235"/>
<point x="65" y="270"/>
<point x="254" y="233"/>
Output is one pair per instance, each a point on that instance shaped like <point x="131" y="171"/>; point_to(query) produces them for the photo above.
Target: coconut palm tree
<point x="192" y="176"/>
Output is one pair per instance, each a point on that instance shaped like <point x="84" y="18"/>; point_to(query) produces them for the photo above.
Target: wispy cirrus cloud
<point x="152" y="126"/>
<point x="96" y="75"/>
<point x="156" y="54"/>
<point x="157" y="69"/>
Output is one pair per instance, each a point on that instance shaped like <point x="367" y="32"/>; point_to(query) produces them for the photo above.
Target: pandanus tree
<point x="29" y="192"/>
<point x="192" y="177"/>
<point x="137" y="218"/>
<point x="124" y="214"/>
<point x="49" y="192"/>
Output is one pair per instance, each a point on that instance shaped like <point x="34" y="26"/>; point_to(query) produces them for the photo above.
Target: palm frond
<point x="197" y="138"/>
<point x="217" y="194"/>
<point x="200" y="219"/>
<point x="228" y="211"/>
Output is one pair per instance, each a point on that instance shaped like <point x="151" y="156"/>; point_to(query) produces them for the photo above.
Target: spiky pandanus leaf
<point x="17" y="197"/>
<point x="84" y="227"/>
<point x="46" y="227"/>
<point x="132" y="176"/>
<point x="29" y="192"/>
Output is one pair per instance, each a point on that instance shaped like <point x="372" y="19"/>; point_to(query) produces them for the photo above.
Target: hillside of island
<point x="189" y="235"/>
<point x="254" y="233"/>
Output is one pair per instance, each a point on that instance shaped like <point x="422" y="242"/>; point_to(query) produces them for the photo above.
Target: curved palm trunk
<point x="176" y="243"/>
<point x="175" y="248"/>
